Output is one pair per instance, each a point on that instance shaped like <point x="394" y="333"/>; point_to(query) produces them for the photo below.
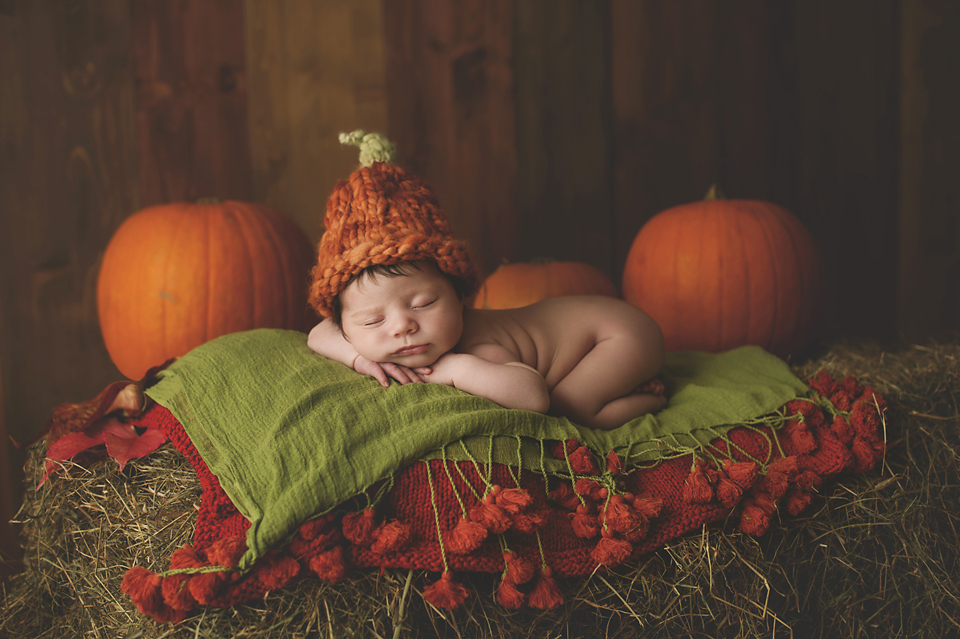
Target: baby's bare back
<point x="554" y="336"/>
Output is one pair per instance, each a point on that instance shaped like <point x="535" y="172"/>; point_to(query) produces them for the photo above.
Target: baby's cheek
<point x="373" y="354"/>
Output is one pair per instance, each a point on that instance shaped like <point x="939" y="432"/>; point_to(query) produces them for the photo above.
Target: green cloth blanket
<point x="290" y="434"/>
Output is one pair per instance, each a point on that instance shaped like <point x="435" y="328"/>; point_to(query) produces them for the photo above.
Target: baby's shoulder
<point x="490" y="331"/>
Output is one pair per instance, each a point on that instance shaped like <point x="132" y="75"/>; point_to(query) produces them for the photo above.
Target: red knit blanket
<point x="447" y="517"/>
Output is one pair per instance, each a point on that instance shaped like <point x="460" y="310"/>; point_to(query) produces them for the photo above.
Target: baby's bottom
<point x="612" y="384"/>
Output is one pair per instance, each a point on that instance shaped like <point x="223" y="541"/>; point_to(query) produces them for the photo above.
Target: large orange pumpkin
<point x="521" y="284"/>
<point x="177" y="275"/>
<point x="718" y="274"/>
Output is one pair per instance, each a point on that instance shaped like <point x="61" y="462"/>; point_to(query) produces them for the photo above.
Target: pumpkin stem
<point x="714" y="193"/>
<point x="373" y="146"/>
<point x="208" y="200"/>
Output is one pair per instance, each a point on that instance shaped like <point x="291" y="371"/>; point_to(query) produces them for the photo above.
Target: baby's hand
<point x="381" y="370"/>
<point x="441" y="371"/>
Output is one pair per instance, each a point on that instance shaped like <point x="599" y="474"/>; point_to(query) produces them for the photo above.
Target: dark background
<point x="548" y="128"/>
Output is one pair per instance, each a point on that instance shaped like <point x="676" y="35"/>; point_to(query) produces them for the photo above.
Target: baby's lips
<point x="412" y="350"/>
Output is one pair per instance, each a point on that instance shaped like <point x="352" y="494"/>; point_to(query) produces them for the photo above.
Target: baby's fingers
<point x="381" y="377"/>
<point x="402" y="374"/>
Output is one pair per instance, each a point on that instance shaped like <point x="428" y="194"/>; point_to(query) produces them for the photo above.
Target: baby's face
<point x="409" y="320"/>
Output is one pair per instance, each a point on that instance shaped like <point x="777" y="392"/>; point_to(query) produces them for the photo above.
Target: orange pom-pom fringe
<point x="465" y="537"/>
<point x="445" y="592"/>
<point x="610" y="551"/>
<point x="545" y="595"/>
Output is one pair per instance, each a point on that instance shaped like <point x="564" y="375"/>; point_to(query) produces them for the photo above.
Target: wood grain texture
<point x="314" y="70"/>
<point x="564" y="129"/>
<point x="11" y="494"/>
<point x="929" y="222"/>
<point x="689" y="105"/>
<point x="190" y="67"/>
<point x="791" y="102"/>
<point x="451" y="112"/>
<point x="67" y="179"/>
<point x="845" y="63"/>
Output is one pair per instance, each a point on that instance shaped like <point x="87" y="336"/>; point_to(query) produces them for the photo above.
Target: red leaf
<point x="65" y="448"/>
<point x="122" y="442"/>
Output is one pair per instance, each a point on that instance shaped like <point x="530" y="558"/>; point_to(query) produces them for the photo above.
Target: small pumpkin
<point x="719" y="273"/>
<point x="177" y="275"/>
<point x="523" y="283"/>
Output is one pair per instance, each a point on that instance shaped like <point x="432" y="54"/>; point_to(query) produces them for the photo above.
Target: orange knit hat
<point x="382" y="215"/>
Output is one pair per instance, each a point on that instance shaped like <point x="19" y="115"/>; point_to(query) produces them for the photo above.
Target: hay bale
<point x="876" y="554"/>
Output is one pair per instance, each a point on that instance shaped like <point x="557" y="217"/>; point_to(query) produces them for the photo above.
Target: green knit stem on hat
<point x="373" y="146"/>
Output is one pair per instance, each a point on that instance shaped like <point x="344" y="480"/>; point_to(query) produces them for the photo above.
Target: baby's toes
<point x="652" y="386"/>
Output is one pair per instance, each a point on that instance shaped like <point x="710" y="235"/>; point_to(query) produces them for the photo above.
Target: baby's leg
<point x="604" y="390"/>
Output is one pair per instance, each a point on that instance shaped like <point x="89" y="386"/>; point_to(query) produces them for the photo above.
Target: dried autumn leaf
<point x="122" y="440"/>
<point x="124" y="443"/>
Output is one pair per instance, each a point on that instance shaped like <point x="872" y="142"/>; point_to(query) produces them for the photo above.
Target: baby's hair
<point x="400" y="269"/>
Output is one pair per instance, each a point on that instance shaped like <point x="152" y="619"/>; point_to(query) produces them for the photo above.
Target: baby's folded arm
<point x="511" y="384"/>
<point x="327" y="340"/>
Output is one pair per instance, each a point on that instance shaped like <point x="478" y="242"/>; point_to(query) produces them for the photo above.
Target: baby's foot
<point x="652" y="386"/>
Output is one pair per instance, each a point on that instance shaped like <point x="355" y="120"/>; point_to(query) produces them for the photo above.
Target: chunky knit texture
<point x="383" y="215"/>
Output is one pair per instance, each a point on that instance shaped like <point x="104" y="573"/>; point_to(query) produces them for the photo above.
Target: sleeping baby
<point x="391" y="281"/>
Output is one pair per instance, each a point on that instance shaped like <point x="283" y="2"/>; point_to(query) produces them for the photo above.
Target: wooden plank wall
<point x="314" y="69"/>
<point x="9" y="500"/>
<point x="928" y="280"/>
<point x="451" y="111"/>
<point x="548" y="128"/>
<point x="189" y="66"/>
<point x="790" y="102"/>
<point x="564" y="147"/>
<point x="67" y="179"/>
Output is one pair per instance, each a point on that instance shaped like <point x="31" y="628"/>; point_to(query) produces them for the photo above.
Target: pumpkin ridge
<point x="738" y="271"/>
<point x="674" y="310"/>
<point x="798" y="235"/>
<point x="745" y="259"/>
<point x="783" y="289"/>
<point x="721" y="325"/>
<point x="168" y="258"/>
<point x="168" y="266"/>
<point x="771" y="225"/>
<point x="155" y="302"/>
<point x="208" y="307"/>
<point x="797" y="319"/>
<point x="244" y="224"/>
<point x="773" y="262"/>
<point x="701" y="238"/>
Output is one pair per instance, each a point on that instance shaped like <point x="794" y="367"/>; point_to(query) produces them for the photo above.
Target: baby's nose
<point x="405" y="325"/>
